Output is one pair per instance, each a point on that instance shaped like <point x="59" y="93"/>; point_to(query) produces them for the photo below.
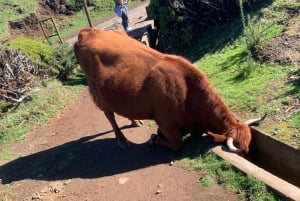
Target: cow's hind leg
<point x="121" y="139"/>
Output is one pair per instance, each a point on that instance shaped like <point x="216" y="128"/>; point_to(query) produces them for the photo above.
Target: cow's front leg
<point x="121" y="139"/>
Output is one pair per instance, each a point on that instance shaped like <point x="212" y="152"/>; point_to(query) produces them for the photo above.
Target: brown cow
<point x="137" y="82"/>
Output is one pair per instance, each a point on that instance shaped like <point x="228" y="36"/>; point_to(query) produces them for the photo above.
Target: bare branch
<point x="13" y="99"/>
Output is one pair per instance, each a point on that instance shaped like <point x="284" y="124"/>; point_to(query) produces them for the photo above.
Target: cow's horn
<point x="230" y="145"/>
<point x="255" y="122"/>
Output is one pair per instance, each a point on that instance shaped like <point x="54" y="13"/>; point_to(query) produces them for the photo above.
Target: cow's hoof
<point x="137" y="123"/>
<point x="124" y="144"/>
<point x="153" y="140"/>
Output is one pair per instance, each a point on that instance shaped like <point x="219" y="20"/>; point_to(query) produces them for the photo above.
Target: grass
<point x="215" y="171"/>
<point x="12" y="10"/>
<point x="48" y="98"/>
<point x="224" y="70"/>
<point x="71" y="24"/>
<point x="264" y="91"/>
<point x="36" y="50"/>
<point x="79" y="20"/>
<point x="248" y="87"/>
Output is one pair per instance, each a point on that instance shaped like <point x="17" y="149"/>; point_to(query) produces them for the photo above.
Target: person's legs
<point x="124" y="17"/>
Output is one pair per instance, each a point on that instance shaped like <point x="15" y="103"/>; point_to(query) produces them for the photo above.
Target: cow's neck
<point x="223" y="119"/>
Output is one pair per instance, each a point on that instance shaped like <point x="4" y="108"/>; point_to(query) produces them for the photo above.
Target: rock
<point x="36" y="196"/>
<point x="158" y="192"/>
<point x="123" y="180"/>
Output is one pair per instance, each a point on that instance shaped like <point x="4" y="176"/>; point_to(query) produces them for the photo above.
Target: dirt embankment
<point x="285" y="48"/>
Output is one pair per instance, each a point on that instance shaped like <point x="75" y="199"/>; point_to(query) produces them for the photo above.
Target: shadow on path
<point x="86" y="157"/>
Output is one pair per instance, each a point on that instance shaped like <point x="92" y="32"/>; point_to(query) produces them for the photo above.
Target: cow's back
<point x="135" y="81"/>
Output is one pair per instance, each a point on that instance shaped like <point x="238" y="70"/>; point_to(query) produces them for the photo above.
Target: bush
<point x="4" y="106"/>
<point x="64" y="61"/>
<point x="34" y="49"/>
<point x="179" y="21"/>
<point x="37" y="51"/>
<point x="55" y="61"/>
<point x="98" y="5"/>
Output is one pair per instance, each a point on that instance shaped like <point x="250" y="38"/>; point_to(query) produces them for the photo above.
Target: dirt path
<point x="74" y="157"/>
<point x="137" y="19"/>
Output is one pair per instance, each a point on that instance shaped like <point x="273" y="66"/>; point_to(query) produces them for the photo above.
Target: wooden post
<point x="87" y="13"/>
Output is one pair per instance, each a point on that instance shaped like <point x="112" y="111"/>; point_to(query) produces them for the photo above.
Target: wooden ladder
<point x="56" y="32"/>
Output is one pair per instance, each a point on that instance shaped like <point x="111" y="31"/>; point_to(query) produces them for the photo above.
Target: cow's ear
<point x="217" y="137"/>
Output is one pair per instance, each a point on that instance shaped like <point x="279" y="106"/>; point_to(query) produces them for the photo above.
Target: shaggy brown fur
<point x="137" y="82"/>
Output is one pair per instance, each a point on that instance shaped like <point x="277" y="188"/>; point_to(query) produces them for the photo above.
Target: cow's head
<point x="238" y="138"/>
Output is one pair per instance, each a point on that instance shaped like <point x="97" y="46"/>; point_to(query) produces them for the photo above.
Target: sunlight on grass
<point x="6" y="155"/>
<point x="262" y="89"/>
<point x="239" y="94"/>
<point x="46" y="101"/>
<point x="79" y="20"/>
<point x="14" y="10"/>
<point x="197" y="157"/>
<point x="207" y="181"/>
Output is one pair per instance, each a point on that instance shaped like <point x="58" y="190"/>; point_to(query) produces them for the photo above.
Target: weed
<point x="64" y="61"/>
<point x="207" y="181"/>
<point x="245" y="69"/>
<point x="254" y="33"/>
<point x="4" y="106"/>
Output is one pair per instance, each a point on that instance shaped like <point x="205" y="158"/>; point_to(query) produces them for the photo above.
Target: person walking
<point x="122" y="11"/>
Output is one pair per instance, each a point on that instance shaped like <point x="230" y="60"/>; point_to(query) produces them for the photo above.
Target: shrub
<point x="37" y="51"/>
<point x="64" y="61"/>
<point x="4" y="106"/>
<point x="98" y="5"/>
<point x="18" y="74"/>
<point x="34" y="49"/>
<point x="179" y="21"/>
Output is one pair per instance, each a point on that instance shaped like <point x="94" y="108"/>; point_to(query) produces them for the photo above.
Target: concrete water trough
<point x="271" y="161"/>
